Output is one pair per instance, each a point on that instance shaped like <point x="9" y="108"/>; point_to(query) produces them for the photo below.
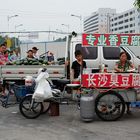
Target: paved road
<point x="67" y="126"/>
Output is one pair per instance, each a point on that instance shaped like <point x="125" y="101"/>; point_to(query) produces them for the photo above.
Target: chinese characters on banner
<point x="108" y="80"/>
<point x="110" y="40"/>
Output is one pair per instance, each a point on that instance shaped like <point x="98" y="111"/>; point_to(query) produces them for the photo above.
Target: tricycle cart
<point x="113" y="93"/>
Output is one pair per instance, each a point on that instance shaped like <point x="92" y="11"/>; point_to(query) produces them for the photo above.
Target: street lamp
<point x="80" y="17"/>
<point x="66" y="25"/>
<point x="58" y="30"/>
<point x="9" y="17"/>
<point x="16" y="26"/>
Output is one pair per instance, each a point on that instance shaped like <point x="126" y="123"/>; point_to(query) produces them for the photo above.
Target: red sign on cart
<point x="109" y="80"/>
<point x="110" y="40"/>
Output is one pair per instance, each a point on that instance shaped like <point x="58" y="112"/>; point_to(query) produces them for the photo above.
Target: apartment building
<point x="99" y="21"/>
<point x="126" y="22"/>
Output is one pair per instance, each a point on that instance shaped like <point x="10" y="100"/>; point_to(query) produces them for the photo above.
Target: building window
<point x="126" y="15"/>
<point x="120" y="22"/>
<point x="120" y="28"/>
<point x="126" y="26"/>
<point x="115" y="18"/>
<point x="131" y="31"/>
<point x="115" y="29"/>
<point x="131" y="19"/>
<point x="131" y="25"/>
<point x="116" y="23"/>
<point x="112" y="19"/>
<point x="131" y="13"/>
<point x="126" y="20"/>
<point x="126" y="31"/>
<point x="121" y="16"/>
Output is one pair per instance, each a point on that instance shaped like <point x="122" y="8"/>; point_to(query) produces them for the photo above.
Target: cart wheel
<point x="46" y="107"/>
<point x="109" y="106"/>
<point x="29" y="108"/>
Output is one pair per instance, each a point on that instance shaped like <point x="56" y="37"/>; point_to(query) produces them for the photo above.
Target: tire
<point x="46" y="107"/>
<point x="30" y="112"/>
<point x="109" y="106"/>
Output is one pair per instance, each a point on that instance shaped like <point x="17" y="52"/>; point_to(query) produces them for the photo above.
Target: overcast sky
<point x="45" y="14"/>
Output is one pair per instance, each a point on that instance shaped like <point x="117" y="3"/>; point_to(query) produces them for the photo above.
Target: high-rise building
<point x="126" y="22"/>
<point x="99" y="21"/>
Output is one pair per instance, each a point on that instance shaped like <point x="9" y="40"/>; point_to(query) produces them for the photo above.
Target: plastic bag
<point x="43" y="90"/>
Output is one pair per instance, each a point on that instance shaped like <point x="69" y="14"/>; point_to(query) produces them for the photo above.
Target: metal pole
<point x="16" y="26"/>
<point x="80" y="17"/>
<point x="8" y="22"/>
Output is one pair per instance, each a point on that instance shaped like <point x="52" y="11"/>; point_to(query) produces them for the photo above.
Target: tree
<point x="137" y="4"/>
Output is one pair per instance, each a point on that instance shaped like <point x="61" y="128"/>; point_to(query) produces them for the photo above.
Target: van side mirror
<point x="74" y="34"/>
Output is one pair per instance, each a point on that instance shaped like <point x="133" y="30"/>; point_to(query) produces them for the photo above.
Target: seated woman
<point x="123" y="65"/>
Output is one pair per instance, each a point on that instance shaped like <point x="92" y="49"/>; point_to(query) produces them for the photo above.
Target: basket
<point x="20" y="91"/>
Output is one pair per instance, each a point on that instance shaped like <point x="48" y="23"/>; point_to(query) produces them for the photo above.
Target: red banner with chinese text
<point x="109" y="80"/>
<point x="110" y="40"/>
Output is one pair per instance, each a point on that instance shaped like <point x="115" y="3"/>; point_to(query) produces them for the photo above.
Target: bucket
<point x="75" y="81"/>
<point x="54" y="109"/>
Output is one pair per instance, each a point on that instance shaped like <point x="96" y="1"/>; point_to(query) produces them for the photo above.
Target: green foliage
<point x="137" y="4"/>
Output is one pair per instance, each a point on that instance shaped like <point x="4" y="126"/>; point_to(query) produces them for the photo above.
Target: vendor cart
<point x="113" y="93"/>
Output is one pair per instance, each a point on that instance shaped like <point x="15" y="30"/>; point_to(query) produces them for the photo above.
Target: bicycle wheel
<point x="29" y="108"/>
<point x="109" y="106"/>
<point x="46" y="107"/>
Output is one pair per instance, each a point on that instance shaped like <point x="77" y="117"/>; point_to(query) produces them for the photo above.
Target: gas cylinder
<point x="87" y="109"/>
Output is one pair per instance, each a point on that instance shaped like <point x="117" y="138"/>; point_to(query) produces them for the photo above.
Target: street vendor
<point x="123" y="65"/>
<point x="78" y="65"/>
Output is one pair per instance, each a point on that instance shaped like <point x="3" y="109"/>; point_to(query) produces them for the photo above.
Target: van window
<point x="88" y="52"/>
<point x="111" y="52"/>
<point x="135" y="50"/>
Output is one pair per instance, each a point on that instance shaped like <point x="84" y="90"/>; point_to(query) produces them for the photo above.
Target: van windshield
<point x="88" y="52"/>
<point x="135" y="50"/>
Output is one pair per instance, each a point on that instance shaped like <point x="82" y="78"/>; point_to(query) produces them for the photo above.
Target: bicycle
<point x="31" y="108"/>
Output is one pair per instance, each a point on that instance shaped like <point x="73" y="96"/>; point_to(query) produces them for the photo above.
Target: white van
<point x="94" y="56"/>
